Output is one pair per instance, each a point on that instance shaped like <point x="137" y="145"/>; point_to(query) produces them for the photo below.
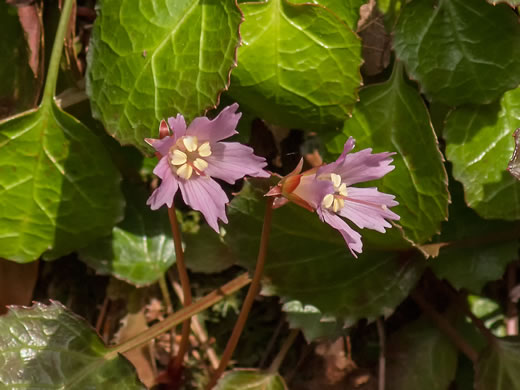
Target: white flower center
<point x="335" y="201"/>
<point x="187" y="156"/>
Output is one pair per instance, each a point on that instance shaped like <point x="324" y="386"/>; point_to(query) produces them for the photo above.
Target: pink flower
<point x="328" y="190"/>
<point x="191" y="157"/>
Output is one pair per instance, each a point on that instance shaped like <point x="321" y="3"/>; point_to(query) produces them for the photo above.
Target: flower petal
<point x="223" y="126"/>
<point x="165" y="193"/>
<point x="205" y="195"/>
<point x="312" y="190"/>
<point x="162" y="145"/>
<point x="231" y="161"/>
<point x="360" y="166"/>
<point x="351" y="237"/>
<point x="178" y="126"/>
<point x="371" y="210"/>
<point x="162" y="169"/>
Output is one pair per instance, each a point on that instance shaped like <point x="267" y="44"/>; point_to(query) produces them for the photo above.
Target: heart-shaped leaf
<point x="456" y="48"/>
<point x="298" y="65"/>
<point x="140" y="249"/>
<point x="50" y="347"/>
<point x="479" y="143"/>
<point x="392" y="117"/>
<point x="150" y="60"/>
<point x="308" y="261"/>
<point x="346" y="10"/>
<point x="498" y="367"/>
<point x="59" y="189"/>
<point x="420" y="356"/>
<point x="251" y="380"/>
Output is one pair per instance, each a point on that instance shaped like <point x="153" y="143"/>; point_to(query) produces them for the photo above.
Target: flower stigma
<point x="187" y="156"/>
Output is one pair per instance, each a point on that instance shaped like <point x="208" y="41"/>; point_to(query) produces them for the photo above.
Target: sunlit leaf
<point x="298" y="65"/>
<point x="50" y="347"/>
<point x="479" y="143"/>
<point x="151" y="60"/>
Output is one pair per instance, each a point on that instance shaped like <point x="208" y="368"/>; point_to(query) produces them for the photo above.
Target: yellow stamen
<point x="178" y="157"/>
<point x="185" y="171"/>
<point x="328" y="200"/>
<point x="190" y="142"/>
<point x="336" y="179"/>
<point x="343" y="189"/>
<point x="200" y="164"/>
<point x="205" y="150"/>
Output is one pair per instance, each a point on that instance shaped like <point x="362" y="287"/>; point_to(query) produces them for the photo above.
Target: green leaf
<point x="150" y="60"/>
<point x="251" y="380"/>
<point x="498" y="367"/>
<point x="19" y="84"/>
<point x="311" y="322"/>
<point x="308" y="261"/>
<point x="346" y="10"/>
<point x="490" y="312"/>
<point x="59" y="189"/>
<point x="420" y="356"/>
<point x="456" y="48"/>
<point x="298" y="65"/>
<point x="206" y="251"/>
<point x="50" y="347"/>
<point x="140" y="249"/>
<point x="479" y="143"/>
<point x="477" y="250"/>
<point x="392" y="117"/>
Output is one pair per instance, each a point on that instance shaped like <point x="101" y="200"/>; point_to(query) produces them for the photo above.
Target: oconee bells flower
<point x="191" y="157"/>
<point x="328" y="191"/>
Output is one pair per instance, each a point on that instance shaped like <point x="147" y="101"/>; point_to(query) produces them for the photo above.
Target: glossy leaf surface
<point x="391" y="117"/>
<point x="152" y="60"/>
<point x="456" y="48"/>
<point x="479" y="144"/>
<point x="50" y="347"/>
<point x="140" y="249"/>
<point x="308" y="261"/>
<point x="298" y="65"/>
<point x="59" y="189"/>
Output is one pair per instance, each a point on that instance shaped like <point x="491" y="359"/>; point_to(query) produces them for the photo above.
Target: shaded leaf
<point x="50" y="347"/>
<point x="456" y="48"/>
<point x="420" y="356"/>
<point x="140" y="248"/>
<point x="479" y="143"/>
<point x="311" y="322"/>
<point x="308" y="261"/>
<point x="392" y="117"/>
<point x="206" y="251"/>
<point x="148" y="61"/>
<point x="476" y="251"/>
<point x="59" y="189"/>
<point x="251" y="380"/>
<point x="512" y="3"/>
<point x="19" y="84"/>
<point x="498" y="367"/>
<point x="298" y="65"/>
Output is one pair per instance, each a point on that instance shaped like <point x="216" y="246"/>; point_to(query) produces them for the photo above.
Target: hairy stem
<point x="179" y="316"/>
<point x="57" y="48"/>
<point x="444" y="325"/>
<point x="382" y="353"/>
<point x="186" y="290"/>
<point x="251" y="294"/>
